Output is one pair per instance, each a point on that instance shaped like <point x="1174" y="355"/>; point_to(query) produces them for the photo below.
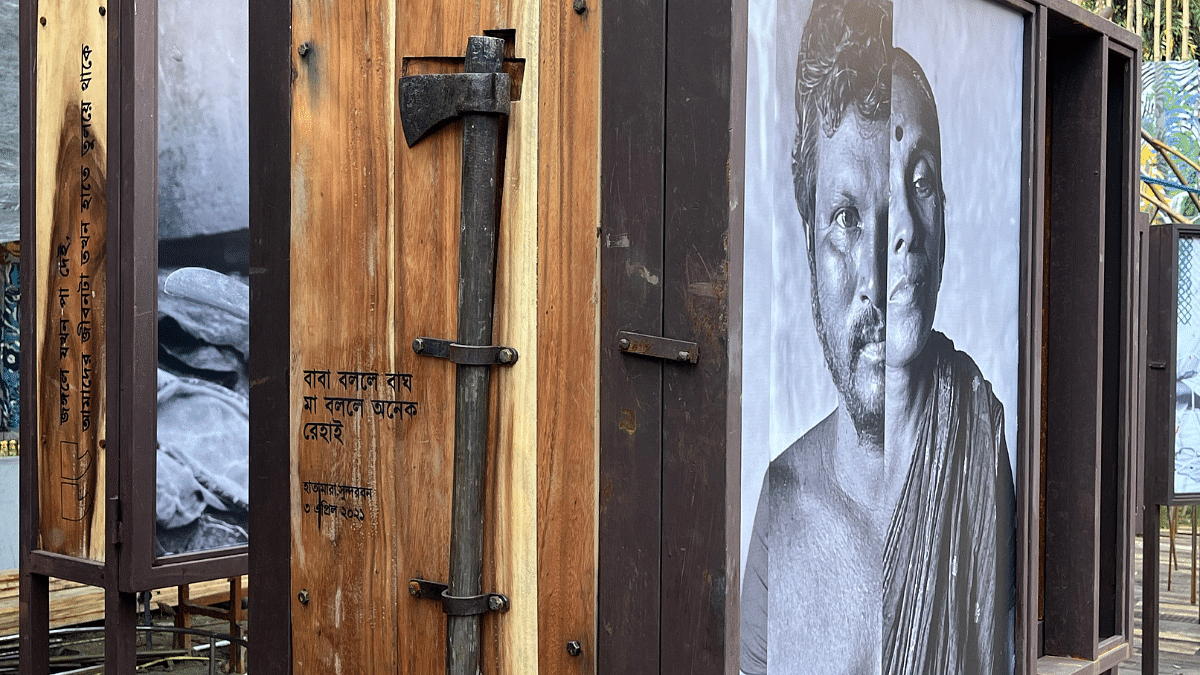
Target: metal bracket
<point x="467" y="355"/>
<point x="423" y="589"/>
<point x="658" y="347"/>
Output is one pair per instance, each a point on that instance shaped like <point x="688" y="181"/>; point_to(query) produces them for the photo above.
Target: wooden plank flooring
<point x="72" y="603"/>
<point x="1179" y="633"/>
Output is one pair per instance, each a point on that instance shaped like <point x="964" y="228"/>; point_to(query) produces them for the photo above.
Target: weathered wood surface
<point x="375" y="264"/>
<point x="73" y="603"/>
<point x="69" y="284"/>
<point x="629" y="567"/>
<point x="344" y="302"/>
<point x="568" y="258"/>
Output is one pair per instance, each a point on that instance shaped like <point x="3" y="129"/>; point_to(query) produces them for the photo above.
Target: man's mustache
<point x="869" y="326"/>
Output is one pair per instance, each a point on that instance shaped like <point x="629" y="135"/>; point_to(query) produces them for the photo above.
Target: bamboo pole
<point x="1158" y="30"/>
<point x="1140" y="18"/>
<point x="1170" y="35"/>
<point x="1185" y="35"/>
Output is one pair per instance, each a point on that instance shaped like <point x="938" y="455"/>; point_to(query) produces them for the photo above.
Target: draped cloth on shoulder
<point x="948" y="584"/>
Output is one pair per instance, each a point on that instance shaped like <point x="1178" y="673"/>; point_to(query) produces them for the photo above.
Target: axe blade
<point x="429" y="101"/>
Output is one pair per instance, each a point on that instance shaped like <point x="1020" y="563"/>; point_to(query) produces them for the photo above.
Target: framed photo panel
<point x="884" y="214"/>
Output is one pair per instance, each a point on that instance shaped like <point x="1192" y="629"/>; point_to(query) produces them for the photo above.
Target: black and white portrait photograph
<point x="203" y="293"/>
<point x="881" y="298"/>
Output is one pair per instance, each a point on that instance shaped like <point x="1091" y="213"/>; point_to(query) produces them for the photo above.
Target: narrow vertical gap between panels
<point x="662" y="319"/>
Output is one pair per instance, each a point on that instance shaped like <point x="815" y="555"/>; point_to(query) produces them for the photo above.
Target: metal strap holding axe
<point x="480" y="96"/>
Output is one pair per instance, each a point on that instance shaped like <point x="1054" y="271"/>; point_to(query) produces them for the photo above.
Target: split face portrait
<point x="881" y="493"/>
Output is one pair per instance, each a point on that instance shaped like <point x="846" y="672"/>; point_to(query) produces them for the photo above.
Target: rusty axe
<point x="480" y="97"/>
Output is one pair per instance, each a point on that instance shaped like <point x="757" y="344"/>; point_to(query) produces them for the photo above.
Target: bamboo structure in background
<point x="1157" y="30"/>
<point x="1185" y="51"/>
<point x="1170" y="35"/>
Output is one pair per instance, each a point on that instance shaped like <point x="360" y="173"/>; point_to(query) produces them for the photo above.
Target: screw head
<point x="304" y="49"/>
<point x="414" y="588"/>
<point x="498" y="603"/>
<point x="685" y="356"/>
<point x="507" y="355"/>
<point x="623" y="345"/>
<point x="574" y="648"/>
<point x="418" y="345"/>
<point x="302" y="596"/>
<point x="580" y="6"/>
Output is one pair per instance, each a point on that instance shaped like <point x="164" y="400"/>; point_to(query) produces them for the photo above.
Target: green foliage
<point x="1120" y="14"/>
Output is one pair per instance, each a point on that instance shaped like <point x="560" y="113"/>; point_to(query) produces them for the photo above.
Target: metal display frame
<point x="130" y="562"/>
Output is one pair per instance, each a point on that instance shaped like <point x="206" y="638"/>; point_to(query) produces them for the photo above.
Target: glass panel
<point x="203" y="299"/>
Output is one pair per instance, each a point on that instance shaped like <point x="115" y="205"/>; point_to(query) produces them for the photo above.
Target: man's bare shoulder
<point x="801" y="470"/>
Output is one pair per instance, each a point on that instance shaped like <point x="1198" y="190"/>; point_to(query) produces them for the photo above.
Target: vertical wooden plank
<point x="512" y="522"/>
<point x="696" y="306"/>
<point x="270" y="558"/>
<point x="1078" y="77"/>
<point x="426" y="254"/>
<point x="69" y="259"/>
<point x="343" y="505"/>
<point x="568" y="256"/>
<point x="633" y="79"/>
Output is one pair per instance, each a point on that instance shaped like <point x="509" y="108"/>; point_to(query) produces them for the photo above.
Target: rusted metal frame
<point x="633" y="79"/>
<point x="270" y="116"/>
<point x="1030" y="304"/>
<point x="1074" y="342"/>
<point x="34" y="648"/>
<point x="696" y="574"/>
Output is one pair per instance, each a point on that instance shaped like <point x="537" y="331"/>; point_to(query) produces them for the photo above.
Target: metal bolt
<point x="418" y="345"/>
<point x="507" y="355"/>
<point x="304" y="49"/>
<point x="414" y="589"/>
<point x="302" y="596"/>
<point x="498" y="603"/>
<point x="580" y="6"/>
<point x="685" y="356"/>
<point x="574" y="648"/>
<point x="623" y="345"/>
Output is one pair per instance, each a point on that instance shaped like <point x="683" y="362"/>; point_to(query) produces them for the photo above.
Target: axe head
<point x="429" y="101"/>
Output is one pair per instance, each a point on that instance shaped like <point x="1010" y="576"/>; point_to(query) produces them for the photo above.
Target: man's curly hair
<point x="845" y="60"/>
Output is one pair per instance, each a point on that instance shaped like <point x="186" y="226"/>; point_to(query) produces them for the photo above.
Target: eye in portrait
<point x="882" y="260"/>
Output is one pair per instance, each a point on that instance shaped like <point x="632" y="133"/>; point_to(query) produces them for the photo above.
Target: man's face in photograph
<point x="848" y="238"/>
<point x="916" y="219"/>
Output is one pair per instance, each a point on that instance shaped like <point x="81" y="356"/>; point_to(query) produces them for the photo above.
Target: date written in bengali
<point x="340" y="502"/>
